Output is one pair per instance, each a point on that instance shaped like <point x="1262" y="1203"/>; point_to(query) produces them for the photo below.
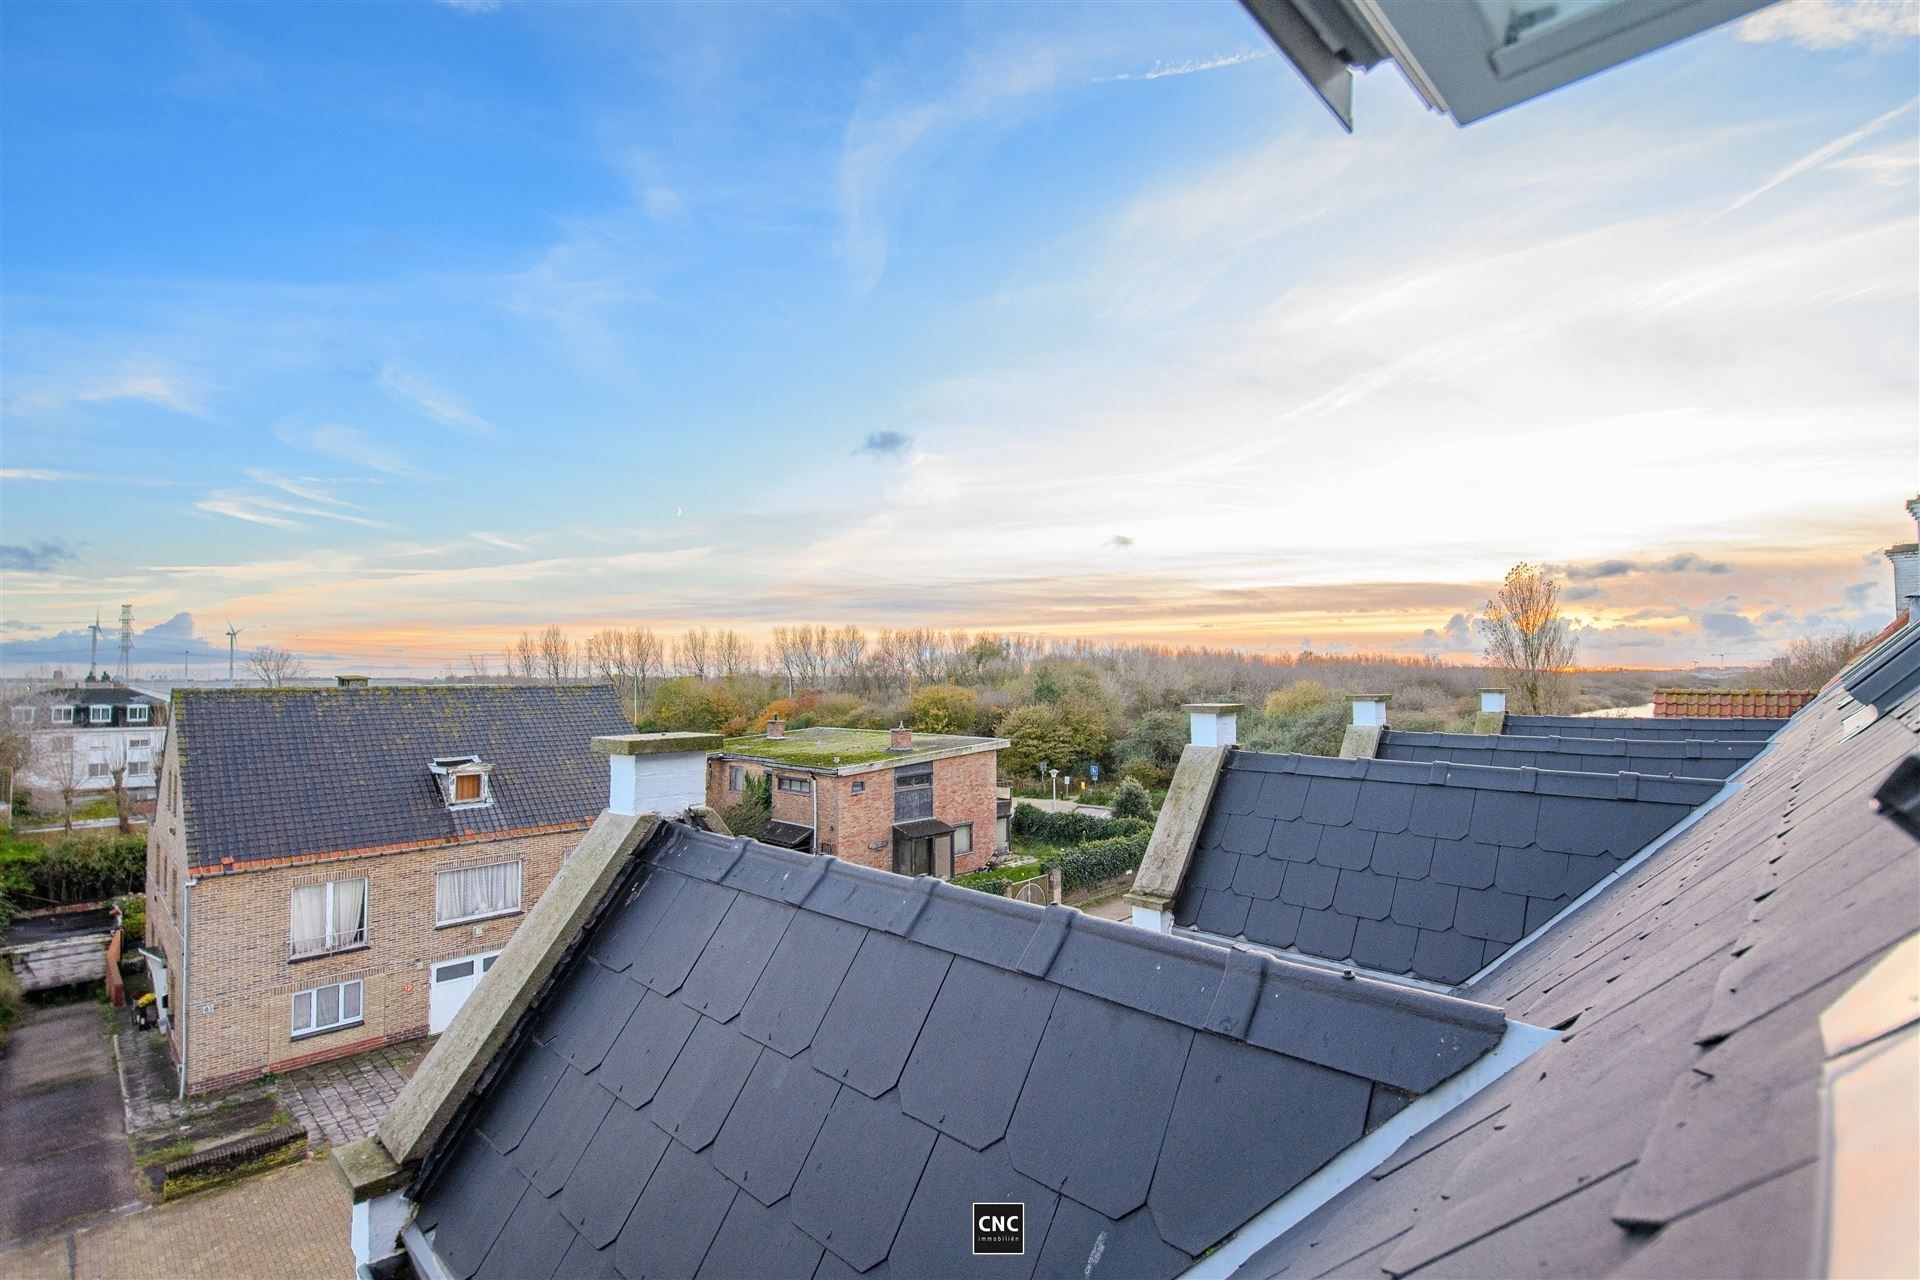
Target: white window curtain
<point x="349" y="926"/>
<point x="467" y="892"/>
<point x="324" y="1008"/>
<point x="309" y="919"/>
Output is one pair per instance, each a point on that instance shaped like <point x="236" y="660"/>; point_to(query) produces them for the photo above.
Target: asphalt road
<point x="63" y="1146"/>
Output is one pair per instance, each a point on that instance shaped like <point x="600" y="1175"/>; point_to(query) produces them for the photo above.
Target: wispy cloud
<point x="45" y="556"/>
<point x="1822" y="154"/>
<point x="495" y="540"/>
<point x="1190" y="66"/>
<point x="148" y="381"/>
<point x="348" y="444"/>
<point x="1834" y="24"/>
<point x="431" y="401"/>
<point x="885" y="444"/>
<point x="259" y="508"/>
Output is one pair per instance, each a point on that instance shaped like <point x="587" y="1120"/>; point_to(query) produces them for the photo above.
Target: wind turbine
<point x="233" y="633"/>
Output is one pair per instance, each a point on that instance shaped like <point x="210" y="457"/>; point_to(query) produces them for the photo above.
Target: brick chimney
<point x="901" y="739"/>
<point x="776" y="728"/>
<point x="1906" y="570"/>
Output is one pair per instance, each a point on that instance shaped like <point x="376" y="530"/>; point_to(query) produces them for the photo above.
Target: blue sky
<point x="388" y="331"/>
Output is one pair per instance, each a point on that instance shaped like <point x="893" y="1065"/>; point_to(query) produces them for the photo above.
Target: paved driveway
<point x="290" y="1224"/>
<point x="63" y="1147"/>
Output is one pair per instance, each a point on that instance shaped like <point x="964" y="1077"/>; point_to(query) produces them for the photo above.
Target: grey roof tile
<point x="1447" y="957"/>
<point x="561" y="1131"/>
<point x="1084" y="1245"/>
<point x="531" y="1243"/>
<point x="1309" y="884"/>
<point x="1537" y="873"/>
<point x="1246" y="833"/>
<point x="670" y="951"/>
<point x="1364" y="894"/>
<point x="478" y="1192"/>
<point x="1441" y="812"/>
<point x="1465" y="863"/>
<point x="733" y="960"/>
<point x="1237" y="793"/>
<point x="582" y="1023"/>
<point x="1259" y="877"/>
<point x="1283" y="796"/>
<point x="584" y="1262"/>
<point x="860" y="1177"/>
<point x="1216" y="1170"/>
<point x="706" y="1079"/>
<point x="1345" y="847"/>
<point x="981" y="1011"/>
<point x="772" y="1126"/>
<point x="1403" y="855"/>
<point x="645" y="1049"/>
<point x="1223" y="912"/>
<point x="1492" y="914"/>
<point x="936" y="1236"/>
<point x="1273" y="924"/>
<point x="758" y="1243"/>
<point x="799" y="982"/>
<point x="1328" y="934"/>
<point x="300" y="771"/>
<point x="1424" y="904"/>
<point x="875" y="1017"/>
<point x="1097" y="1146"/>
<point x="1331" y="801"/>
<point x="1504" y="818"/>
<point x="1295" y="841"/>
<point x="675" y="1220"/>
<point x="1384" y="806"/>
<point x="610" y="1175"/>
<point x="1384" y="945"/>
<point x="509" y="1112"/>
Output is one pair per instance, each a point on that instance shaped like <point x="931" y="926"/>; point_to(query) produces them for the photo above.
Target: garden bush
<point x="1132" y="801"/>
<point x="74" y="868"/>
<point x="9" y="1002"/>
<point x="133" y="922"/>
<point x="1033" y="823"/>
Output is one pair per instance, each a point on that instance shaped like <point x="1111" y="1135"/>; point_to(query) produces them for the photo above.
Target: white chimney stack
<point x="1214" y="724"/>
<point x="663" y="773"/>
<point x="1493" y="702"/>
<point x="1370" y="710"/>
<point x="1906" y="569"/>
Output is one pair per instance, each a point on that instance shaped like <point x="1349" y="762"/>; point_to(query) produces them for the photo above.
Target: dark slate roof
<point x="99" y="694"/>
<point x="1670" y="728"/>
<point x="274" y="773"/>
<point x="1673" y="1129"/>
<point x="758" y="1063"/>
<point x="1431" y="870"/>
<point x="1693" y="758"/>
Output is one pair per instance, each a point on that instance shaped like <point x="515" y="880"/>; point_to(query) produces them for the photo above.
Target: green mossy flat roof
<point x="828" y="748"/>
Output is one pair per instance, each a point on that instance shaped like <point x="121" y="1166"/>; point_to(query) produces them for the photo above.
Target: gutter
<point x="186" y="953"/>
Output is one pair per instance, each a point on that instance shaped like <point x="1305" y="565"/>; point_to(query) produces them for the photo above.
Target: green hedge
<point x="73" y="868"/>
<point x="1032" y="823"/>
<point x="1081" y="867"/>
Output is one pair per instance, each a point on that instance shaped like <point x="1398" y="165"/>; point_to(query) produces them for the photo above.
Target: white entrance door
<point x="453" y="982"/>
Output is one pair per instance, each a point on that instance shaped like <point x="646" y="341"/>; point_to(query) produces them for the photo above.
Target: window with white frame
<point x="63" y="715"/>
<point x="473" y="893"/>
<point x="139" y="713"/>
<point x="797" y="786"/>
<point x="97" y="763"/>
<point x="326" y="1008"/>
<point x="99" y="715"/>
<point x="22" y="715"/>
<point x="328" y="917"/>
<point x="736" y="778"/>
<point x="963" y="839"/>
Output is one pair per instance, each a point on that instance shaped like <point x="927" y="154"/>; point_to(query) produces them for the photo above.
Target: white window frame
<point x="314" y="1027"/>
<point x="795" y="786"/>
<point x="958" y="827"/>
<point x="736" y="778"/>
<point x="98" y="766"/>
<point x="139" y="713"/>
<point x="859" y="786"/>
<point x="22" y="715"/>
<point x="99" y="713"/>
<point x="520" y="897"/>
<point x="328" y="946"/>
<point x="63" y="715"/>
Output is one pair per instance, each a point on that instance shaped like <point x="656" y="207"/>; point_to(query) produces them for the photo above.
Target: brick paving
<point x="290" y="1224"/>
<point x="340" y="1102"/>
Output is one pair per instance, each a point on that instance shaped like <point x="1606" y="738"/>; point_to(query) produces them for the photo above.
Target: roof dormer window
<point x="464" y="781"/>
<point x="63" y="715"/>
<point x="99" y="714"/>
<point x="139" y="713"/>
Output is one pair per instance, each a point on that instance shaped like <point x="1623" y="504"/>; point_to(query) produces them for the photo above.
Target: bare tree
<point x="523" y="658"/>
<point x="56" y="761"/>
<point x="847" y="650"/>
<point x="647" y="658"/>
<point x="557" y="658"/>
<point x="477" y="666"/>
<point x="732" y="653"/>
<point x="693" y="653"/>
<point x="1527" y="638"/>
<point x="273" y="666"/>
<point x="1810" y="661"/>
